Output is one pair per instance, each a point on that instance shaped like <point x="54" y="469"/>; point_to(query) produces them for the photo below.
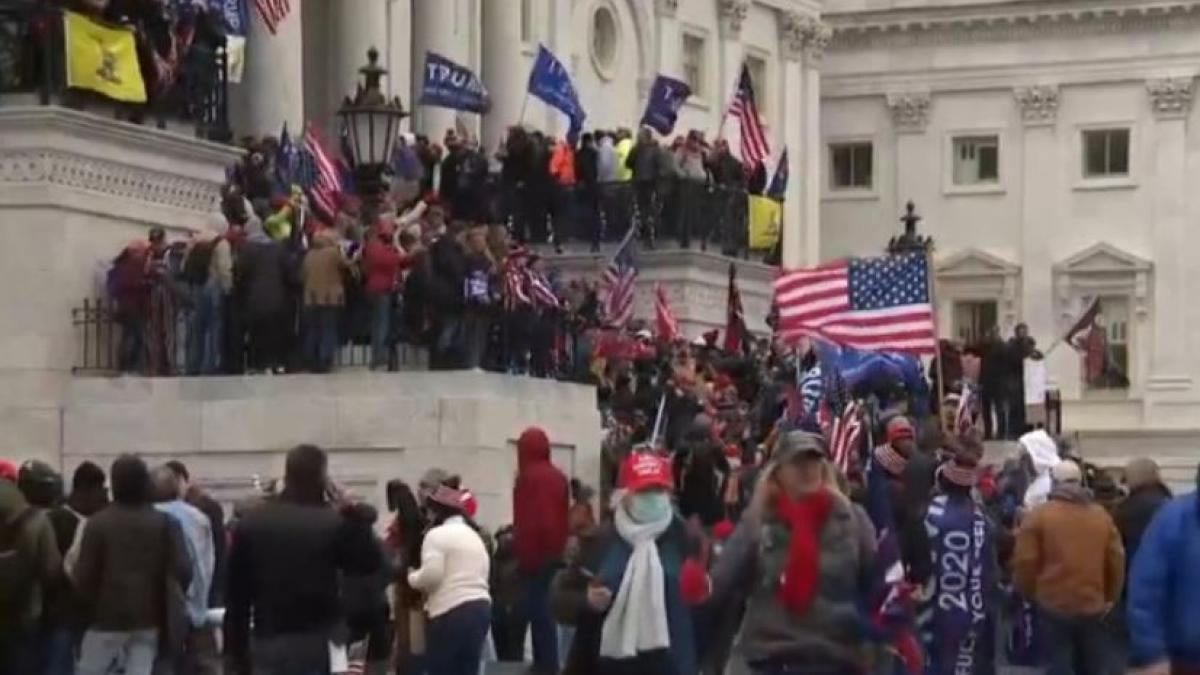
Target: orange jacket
<point x="562" y="164"/>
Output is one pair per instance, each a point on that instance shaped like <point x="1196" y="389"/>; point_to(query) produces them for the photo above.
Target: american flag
<point x="735" y="316"/>
<point x="515" y="294"/>
<point x="540" y="289"/>
<point x="273" y="12"/>
<point x="325" y="185"/>
<point x="668" y="325"/>
<point x="619" y="278"/>
<point x="966" y="413"/>
<point x="866" y="303"/>
<point x="755" y="148"/>
<point x="844" y="437"/>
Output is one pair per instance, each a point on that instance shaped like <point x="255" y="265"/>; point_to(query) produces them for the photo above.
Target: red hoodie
<point x="541" y="499"/>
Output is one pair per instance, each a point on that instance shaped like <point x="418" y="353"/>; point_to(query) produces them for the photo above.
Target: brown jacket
<point x="1069" y="557"/>
<point x="322" y="273"/>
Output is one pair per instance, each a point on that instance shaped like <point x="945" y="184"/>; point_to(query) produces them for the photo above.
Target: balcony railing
<point x="32" y="61"/>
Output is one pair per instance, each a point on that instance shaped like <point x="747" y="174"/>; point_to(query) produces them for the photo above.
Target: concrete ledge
<point x="375" y="426"/>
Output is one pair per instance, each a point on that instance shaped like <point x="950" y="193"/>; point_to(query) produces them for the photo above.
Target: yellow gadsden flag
<point x="102" y="59"/>
<point x="765" y="215"/>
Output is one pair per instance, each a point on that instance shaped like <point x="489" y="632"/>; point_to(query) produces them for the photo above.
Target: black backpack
<point x="17" y="572"/>
<point x="196" y="264"/>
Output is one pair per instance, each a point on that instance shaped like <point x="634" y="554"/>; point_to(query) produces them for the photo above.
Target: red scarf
<point x="805" y="518"/>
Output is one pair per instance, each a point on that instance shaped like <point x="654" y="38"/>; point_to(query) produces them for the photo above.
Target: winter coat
<point x="701" y="470"/>
<point x="1134" y="513"/>
<point x="382" y="264"/>
<point x="1069" y="557"/>
<point x="263" y="273"/>
<point x="541" y="500"/>
<point x="1164" y="589"/>
<point x="36" y="543"/>
<point x="322" y="273"/>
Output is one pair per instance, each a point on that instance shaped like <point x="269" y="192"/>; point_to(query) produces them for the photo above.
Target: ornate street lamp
<point x="370" y="123"/>
<point x="909" y="241"/>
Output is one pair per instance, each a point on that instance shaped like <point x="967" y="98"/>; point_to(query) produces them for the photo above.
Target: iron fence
<point x="32" y="61"/>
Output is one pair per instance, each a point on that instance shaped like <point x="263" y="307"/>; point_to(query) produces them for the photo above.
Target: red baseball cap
<point x="645" y="471"/>
<point x="8" y="470"/>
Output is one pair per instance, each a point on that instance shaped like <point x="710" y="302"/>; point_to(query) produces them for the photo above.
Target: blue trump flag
<point x="550" y="82"/>
<point x="662" y="108"/>
<point x="449" y="85"/>
<point x="779" y="181"/>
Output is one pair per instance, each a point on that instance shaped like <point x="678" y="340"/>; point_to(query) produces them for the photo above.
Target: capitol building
<point x="1051" y="148"/>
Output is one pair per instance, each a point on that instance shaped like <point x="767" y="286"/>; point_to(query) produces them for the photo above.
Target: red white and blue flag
<point x="668" y="325"/>
<point x="325" y="185"/>
<point x="273" y="12"/>
<point x="871" y="304"/>
<point x="619" y="278"/>
<point x="844" y="436"/>
<point x="743" y="108"/>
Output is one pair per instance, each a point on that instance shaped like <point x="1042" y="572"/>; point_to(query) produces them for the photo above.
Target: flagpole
<point x="658" y="419"/>
<point x="524" y="104"/>
<point x="931" y="281"/>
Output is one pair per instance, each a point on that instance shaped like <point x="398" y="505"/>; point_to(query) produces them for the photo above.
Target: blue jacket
<point x="1164" y="587"/>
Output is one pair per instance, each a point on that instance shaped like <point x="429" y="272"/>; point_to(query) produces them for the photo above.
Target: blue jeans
<point x="204" y="334"/>
<point x="1077" y="645"/>
<point x="321" y="336"/>
<point x="381" y="325"/>
<point x="58" y="651"/>
<point x="132" y="347"/>
<point x="454" y="640"/>
<point x="541" y="624"/>
<point x="112" y="652"/>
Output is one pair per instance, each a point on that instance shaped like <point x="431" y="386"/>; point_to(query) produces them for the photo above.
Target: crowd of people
<point x="732" y="528"/>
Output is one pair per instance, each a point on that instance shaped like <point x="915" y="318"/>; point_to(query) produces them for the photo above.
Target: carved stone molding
<point x="732" y="14"/>
<point x="1039" y="104"/>
<point x="1006" y="23"/>
<point x="803" y="35"/>
<point x="910" y="111"/>
<point x="666" y="8"/>
<point x="56" y="167"/>
<point x="1170" y="96"/>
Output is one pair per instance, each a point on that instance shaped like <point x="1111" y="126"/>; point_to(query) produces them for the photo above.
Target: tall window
<point x="976" y="160"/>
<point x="527" y="21"/>
<point x="851" y="166"/>
<point x="1105" y="153"/>
<point x="1105" y="345"/>
<point x="693" y="63"/>
<point x="973" y="319"/>
<point x="758" y="75"/>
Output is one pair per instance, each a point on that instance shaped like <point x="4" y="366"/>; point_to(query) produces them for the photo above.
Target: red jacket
<point x="541" y="499"/>
<point x="382" y="263"/>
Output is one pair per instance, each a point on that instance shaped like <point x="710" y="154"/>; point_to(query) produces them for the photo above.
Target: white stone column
<point x="666" y="35"/>
<point x="503" y="70"/>
<point x="803" y="39"/>
<point x="817" y="39"/>
<point x="436" y="27"/>
<point x="1040" y="194"/>
<point x="399" y="51"/>
<point x="731" y="15"/>
<point x="272" y="88"/>
<point x="1171" y="101"/>
<point x="355" y="27"/>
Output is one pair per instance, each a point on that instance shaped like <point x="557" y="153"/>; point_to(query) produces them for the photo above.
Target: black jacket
<point x="586" y="168"/>
<point x="286" y="562"/>
<point x="262" y="274"/>
<point x="446" y="271"/>
<point x="1133" y="515"/>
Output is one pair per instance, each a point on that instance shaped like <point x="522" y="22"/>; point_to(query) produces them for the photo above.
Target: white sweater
<point x="454" y="567"/>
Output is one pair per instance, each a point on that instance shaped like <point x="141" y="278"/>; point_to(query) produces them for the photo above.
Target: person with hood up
<point x="799" y="560"/>
<point x="541" y="502"/>
<point x="958" y="619"/>
<point x="1164" y="591"/>
<point x="701" y="471"/>
<point x="1070" y="561"/>
<point x="1043" y="455"/>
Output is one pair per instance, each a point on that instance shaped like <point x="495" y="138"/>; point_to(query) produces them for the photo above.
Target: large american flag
<point x="844" y="436"/>
<point x="324" y="183"/>
<point x="866" y="303"/>
<point x="755" y="148"/>
<point x="619" y="279"/>
<point x="273" y="12"/>
<point x="668" y="325"/>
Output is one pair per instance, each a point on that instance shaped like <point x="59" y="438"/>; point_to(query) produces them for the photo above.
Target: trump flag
<point x="662" y="108"/>
<point x="450" y="85"/>
<point x="550" y="82"/>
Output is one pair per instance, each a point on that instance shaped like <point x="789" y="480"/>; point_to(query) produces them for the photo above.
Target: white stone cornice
<point x="803" y="35"/>
<point x="910" y="111"/>
<point x="666" y="8"/>
<point x="1170" y="97"/>
<point x="1039" y="104"/>
<point x="1013" y="21"/>
<point x="732" y="14"/>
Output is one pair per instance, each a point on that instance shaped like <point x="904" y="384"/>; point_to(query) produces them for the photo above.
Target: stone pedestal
<point x="375" y="426"/>
<point x="74" y="189"/>
<point x="696" y="285"/>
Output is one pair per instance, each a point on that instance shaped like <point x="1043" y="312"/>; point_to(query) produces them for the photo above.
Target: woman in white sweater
<point x="454" y="578"/>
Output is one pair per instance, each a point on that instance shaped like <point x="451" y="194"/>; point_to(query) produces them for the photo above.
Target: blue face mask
<point x="650" y="507"/>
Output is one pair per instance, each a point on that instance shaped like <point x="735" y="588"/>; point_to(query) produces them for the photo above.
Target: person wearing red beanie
<point x="541" y="502"/>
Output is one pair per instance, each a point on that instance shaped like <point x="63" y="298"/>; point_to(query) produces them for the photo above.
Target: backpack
<point x="17" y="572"/>
<point x="196" y="264"/>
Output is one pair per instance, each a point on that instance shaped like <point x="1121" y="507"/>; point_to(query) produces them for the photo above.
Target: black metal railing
<point x="672" y="212"/>
<point x="105" y="347"/>
<point x="33" y="61"/>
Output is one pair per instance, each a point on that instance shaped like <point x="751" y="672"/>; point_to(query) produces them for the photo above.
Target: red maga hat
<point x="645" y="471"/>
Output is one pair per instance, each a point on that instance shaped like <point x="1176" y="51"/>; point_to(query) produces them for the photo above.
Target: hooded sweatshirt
<point x="36" y="544"/>
<point x="541" y="499"/>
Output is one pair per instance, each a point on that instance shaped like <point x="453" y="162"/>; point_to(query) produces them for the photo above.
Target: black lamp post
<point x="370" y="123"/>
<point x="910" y="241"/>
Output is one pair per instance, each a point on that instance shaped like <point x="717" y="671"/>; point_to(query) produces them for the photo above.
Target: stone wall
<point x="376" y="427"/>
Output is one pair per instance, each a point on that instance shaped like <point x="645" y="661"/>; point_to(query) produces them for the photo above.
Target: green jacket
<point x="36" y="546"/>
